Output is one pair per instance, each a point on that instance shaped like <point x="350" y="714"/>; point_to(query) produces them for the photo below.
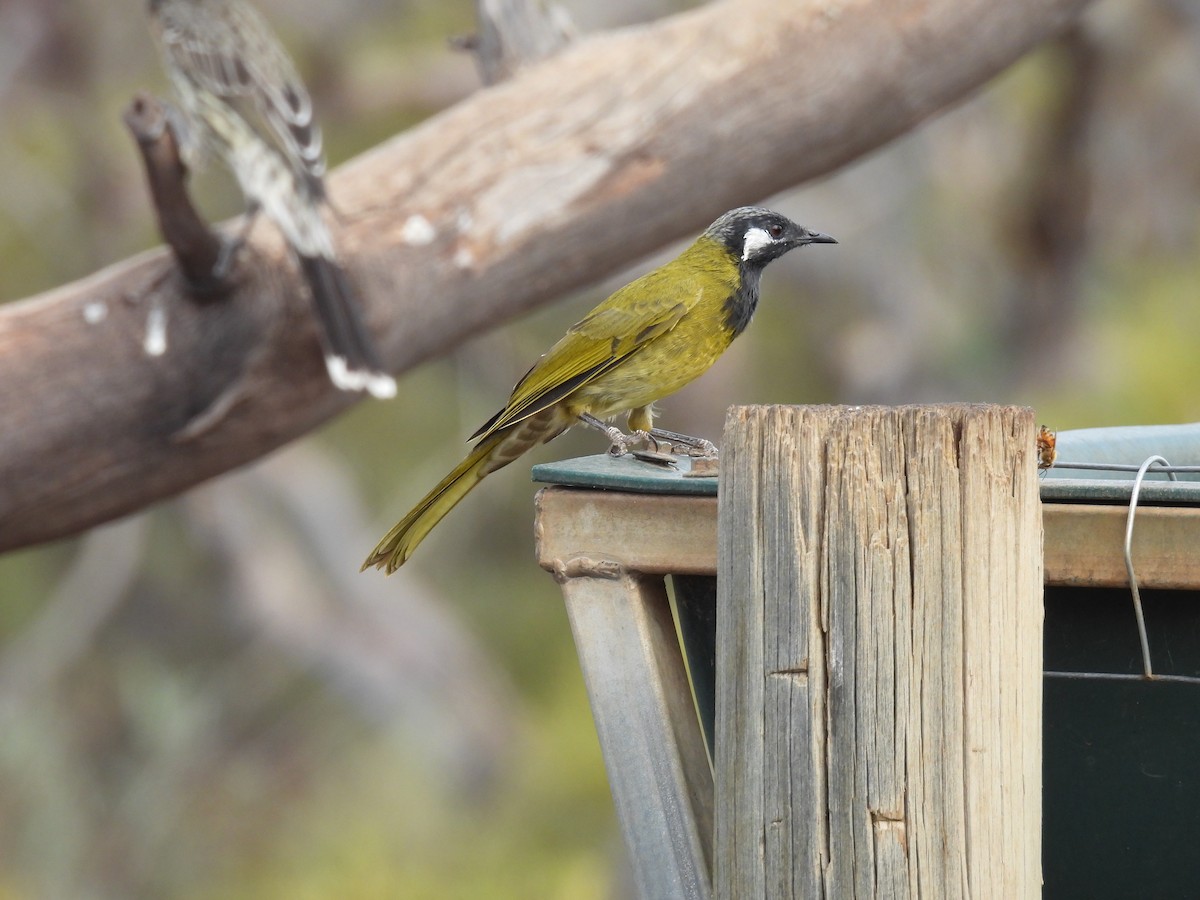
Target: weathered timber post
<point x="879" y="654"/>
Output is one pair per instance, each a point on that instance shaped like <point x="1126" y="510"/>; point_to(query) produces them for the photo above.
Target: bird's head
<point x="755" y="236"/>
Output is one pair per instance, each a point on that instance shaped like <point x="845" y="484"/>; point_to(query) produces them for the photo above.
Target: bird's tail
<point x="399" y="543"/>
<point x="350" y="355"/>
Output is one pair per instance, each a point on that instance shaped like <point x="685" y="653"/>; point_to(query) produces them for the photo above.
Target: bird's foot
<point x="684" y="444"/>
<point x="654" y="446"/>
<point x="641" y="445"/>
<point x="230" y="247"/>
<point x="658" y="446"/>
<point x="622" y="444"/>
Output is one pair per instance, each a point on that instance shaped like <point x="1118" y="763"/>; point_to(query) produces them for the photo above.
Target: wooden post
<point x="879" y="654"/>
<point x="653" y="749"/>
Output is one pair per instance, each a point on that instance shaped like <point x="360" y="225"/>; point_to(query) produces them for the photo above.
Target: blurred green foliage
<point x="182" y="742"/>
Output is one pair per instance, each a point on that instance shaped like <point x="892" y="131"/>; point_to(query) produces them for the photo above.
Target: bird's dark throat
<point x="739" y="308"/>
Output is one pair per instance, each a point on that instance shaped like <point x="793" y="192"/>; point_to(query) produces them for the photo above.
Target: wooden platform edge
<point x="661" y="535"/>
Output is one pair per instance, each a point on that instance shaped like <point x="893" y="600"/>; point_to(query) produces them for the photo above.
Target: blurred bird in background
<point x="242" y="99"/>
<point x="646" y="341"/>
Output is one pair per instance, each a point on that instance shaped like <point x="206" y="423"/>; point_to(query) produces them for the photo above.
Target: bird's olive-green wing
<point x="628" y="320"/>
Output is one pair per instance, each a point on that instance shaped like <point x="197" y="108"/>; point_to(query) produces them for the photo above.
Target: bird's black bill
<point x="816" y="237"/>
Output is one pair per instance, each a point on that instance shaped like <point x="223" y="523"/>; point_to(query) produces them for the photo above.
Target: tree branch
<point x="196" y="249"/>
<point x="524" y="191"/>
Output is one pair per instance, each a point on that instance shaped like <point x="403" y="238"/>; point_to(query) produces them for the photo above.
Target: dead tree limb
<point x="524" y="191"/>
<point x="194" y="245"/>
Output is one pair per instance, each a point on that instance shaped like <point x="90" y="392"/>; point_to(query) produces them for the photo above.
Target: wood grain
<point x="654" y="750"/>
<point x="879" y="654"/>
<point x="1085" y="546"/>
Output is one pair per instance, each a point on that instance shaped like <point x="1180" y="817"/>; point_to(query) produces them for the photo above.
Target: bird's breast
<point x="659" y="367"/>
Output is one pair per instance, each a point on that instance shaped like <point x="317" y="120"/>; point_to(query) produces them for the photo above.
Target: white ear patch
<point x="755" y="240"/>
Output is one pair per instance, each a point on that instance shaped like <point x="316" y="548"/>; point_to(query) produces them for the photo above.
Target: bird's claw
<point x="641" y="445"/>
<point x="658" y="446"/>
<point x="686" y="444"/>
<point x="230" y="248"/>
<point x="618" y="442"/>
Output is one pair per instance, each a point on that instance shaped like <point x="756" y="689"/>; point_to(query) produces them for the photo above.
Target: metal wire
<point x="1119" y="676"/>
<point x="1147" y="669"/>
<point x="1133" y="583"/>
<point x="1168" y="469"/>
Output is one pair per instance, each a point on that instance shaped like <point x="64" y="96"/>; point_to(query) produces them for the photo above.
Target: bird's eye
<point x="776" y="230"/>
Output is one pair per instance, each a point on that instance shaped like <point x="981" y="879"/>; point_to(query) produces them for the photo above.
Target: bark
<point x="526" y="190"/>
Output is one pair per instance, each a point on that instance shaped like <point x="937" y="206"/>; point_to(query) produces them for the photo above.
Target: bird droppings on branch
<point x="417" y="231"/>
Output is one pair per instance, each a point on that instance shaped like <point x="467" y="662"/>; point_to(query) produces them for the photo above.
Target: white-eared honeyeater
<point x="242" y="99"/>
<point x="646" y="341"/>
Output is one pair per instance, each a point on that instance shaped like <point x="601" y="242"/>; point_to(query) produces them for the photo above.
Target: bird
<point x="241" y="99"/>
<point x="645" y="341"/>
